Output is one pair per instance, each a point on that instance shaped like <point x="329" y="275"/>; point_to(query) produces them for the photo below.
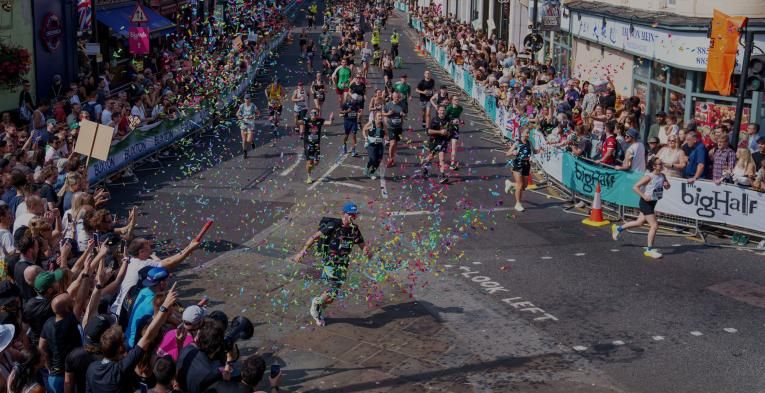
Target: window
<point x="642" y="67"/>
<point x="671" y="3"/>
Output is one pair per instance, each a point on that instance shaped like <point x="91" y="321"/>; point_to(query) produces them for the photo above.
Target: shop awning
<point x="118" y="19"/>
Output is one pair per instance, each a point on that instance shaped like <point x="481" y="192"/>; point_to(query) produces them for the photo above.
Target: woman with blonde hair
<point x="673" y="157"/>
<point x="744" y="171"/>
<point x="72" y="184"/>
<point x="73" y="222"/>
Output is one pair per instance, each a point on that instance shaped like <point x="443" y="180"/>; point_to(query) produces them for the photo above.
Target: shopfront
<point x="665" y="66"/>
<point x="55" y="26"/>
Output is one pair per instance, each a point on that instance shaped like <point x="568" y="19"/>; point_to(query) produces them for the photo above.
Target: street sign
<point x="139" y="15"/>
<point x="533" y="42"/>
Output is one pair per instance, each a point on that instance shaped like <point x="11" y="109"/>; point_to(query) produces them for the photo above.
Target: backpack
<point x="619" y="153"/>
<point x="327" y="225"/>
<point x="129" y="301"/>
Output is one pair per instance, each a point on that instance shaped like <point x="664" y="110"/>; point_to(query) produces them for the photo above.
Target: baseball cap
<point x="51" y="121"/>
<point x="633" y="133"/>
<point x="155" y="276"/>
<point x="193" y="314"/>
<point x="74" y="125"/>
<point x="247" y="97"/>
<point x="7" y="332"/>
<point x="45" y="280"/>
<point x="661" y="113"/>
<point x="350" y="208"/>
<point x="95" y="328"/>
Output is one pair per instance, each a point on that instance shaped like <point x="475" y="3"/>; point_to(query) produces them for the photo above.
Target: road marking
<point x="383" y="186"/>
<point x="353" y="166"/>
<point x="342" y="183"/>
<point x="618" y="343"/>
<point x="293" y="166"/>
<point x="579" y="348"/>
<point x="546" y="257"/>
<point x="448" y="266"/>
<point x="477" y="263"/>
<point x="677" y="245"/>
<point x="493" y="287"/>
<point x="614" y="250"/>
<point x="696" y="333"/>
<point x="330" y="170"/>
<point x="580" y="254"/>
<point x="657" y="338"/>
<point x="510" y="260"/>
<point x="412" y="213"/>
<point x="731" y="330"/>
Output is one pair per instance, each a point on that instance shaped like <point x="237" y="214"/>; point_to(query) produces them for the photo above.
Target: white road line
<point x="614" y="250"/>
<point x="353" y="166"/>
<point x="477" y="263"/>
<point x="618" y="343"/>
<point x="580" y="254"/>
<point x="657" y="338"/>
<point x="731" y="330"/>
<point x="546" y="257"/>
<point x="412" y="213"/>
<point x="448" y="266"/>
<point x="383" y="185"/>
<point x="510" y="260"/>
<point x="579" y="348"/>
<point x="293" y="166"/>
<point x="330" y="170"/>
<point x="676" y="245"/>
<point x="342" y="183"/>
<point x="696" y="333"/>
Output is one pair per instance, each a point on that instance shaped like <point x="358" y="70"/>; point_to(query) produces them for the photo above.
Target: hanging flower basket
<point x="15" y="63"/>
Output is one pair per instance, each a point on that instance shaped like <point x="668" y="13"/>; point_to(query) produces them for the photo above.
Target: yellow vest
<point x="375" y="38"/>
<point x="394" y="38"/>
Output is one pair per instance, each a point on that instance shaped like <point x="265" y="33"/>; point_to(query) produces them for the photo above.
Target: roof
<point x="662" y="19"/>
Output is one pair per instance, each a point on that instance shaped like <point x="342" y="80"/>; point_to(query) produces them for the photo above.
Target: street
<point x="464" y="294"/>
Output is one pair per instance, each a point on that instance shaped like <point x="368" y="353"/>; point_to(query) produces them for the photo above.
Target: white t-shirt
<point x="106" y="117"/>
<point x="22" y="220"/>
<point x="131" y="279"/>
<point x="637" y="152"/>
<point x="6" y="243"/>
<point x="68" y="228"/>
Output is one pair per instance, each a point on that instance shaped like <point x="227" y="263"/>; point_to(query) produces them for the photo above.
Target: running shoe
<point x="425" y="172"/>
<point x="354" y="154"/>
<point x="519" y="207"/>
<point x="308" y="180"/>
<point x="454" y="166"/>
<point x="509" y="186"/>
<point x="366" y="172"/>
<point x="316" y="311"/>
<point x="390" y="164"/>
<point x="443" y="179"/>
<point x="345" y="149"/>
<point x="253" y="144"/>
<point x="652" y="253"/>
<point x="245" y="152"/>
<point x="615" y="232"/>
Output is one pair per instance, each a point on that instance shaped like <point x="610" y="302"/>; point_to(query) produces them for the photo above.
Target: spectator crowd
<point x="85" y="304"/>
<point x="588" y="118"/>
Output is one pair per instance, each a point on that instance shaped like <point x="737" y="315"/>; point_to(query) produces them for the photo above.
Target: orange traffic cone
<point x="530" y="183"/>
<point x="596" y="213"/>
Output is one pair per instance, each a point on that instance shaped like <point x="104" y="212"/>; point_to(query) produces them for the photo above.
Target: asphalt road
<point x="537" y="283"/>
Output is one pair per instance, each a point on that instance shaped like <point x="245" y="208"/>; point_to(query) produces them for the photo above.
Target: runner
<point x="650" y="188"/>
<point x="374" y="135"/>
<point x="310" y="47"/>
<point x="300" y="102"/>
<point x="366" y="56"/>
<point x="246" y="115"/>
<point x="358" y="86"/>
<point x="376" y="38"/>
<point x="341" y="78"/>
<point x="310" y="130"/>
<point x="521" y="164"/>
<point x="274" y="94"/>
<point x="405" y="90"/>
<point x="351" y="110"/>
<point x="376" y="104"/>
<point x="394" y="113"/>
<point x="387" y="88"/>
<point x="441" y="98"/>
<point x="302" y="40"/>
<point x="438" y="130"/>
<point x="425" y="90"/>
<point x="319" y="92"/>
<point x="336" y="238"/>
<point x="387" y="65"/>
<point x="453" y="112"/>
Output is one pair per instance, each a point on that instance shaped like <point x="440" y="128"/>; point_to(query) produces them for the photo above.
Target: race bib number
<point x="320" y="95"/>
<point x="395" y="121"/>
<point x="313" y="138"/>
<point x="428" y="92"/>
<point x="352" y="115"/>
<point x="374" y="140"/>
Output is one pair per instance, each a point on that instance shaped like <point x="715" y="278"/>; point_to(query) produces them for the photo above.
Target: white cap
<point x="193" y="314"/>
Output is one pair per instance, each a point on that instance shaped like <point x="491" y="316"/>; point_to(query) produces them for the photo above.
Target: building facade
<point x="16" y="29"/>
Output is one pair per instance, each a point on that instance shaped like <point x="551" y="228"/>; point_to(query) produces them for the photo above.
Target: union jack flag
<point x="85" y="14"/>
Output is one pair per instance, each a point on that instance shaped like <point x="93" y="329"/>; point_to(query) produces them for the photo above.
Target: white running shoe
<point x="652" y="253"/>
<point x="519" y="207"/>
<point x="316" y="311"/>
<point x="509" y="186"/>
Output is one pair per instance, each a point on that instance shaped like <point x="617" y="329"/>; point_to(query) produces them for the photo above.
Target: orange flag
<point x="723" y="46"/>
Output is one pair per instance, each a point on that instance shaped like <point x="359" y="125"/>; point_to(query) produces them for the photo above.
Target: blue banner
<point x="468" y="82"/>
<point x="615" y="186"/>
<point x="490" y="103"/>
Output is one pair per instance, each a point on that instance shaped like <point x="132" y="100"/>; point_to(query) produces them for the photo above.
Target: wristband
<point x="162" y="309"/>
<point x="99" y="286"/>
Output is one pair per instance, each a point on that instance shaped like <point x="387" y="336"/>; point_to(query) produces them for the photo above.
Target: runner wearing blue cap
<point x="336" y="238"/>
